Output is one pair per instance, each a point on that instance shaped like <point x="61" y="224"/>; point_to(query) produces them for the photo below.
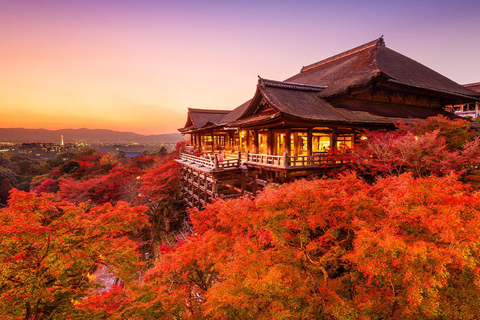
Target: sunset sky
<point x="138" y="65"/>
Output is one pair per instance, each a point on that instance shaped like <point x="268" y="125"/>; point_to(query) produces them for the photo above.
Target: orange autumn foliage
<point x="48" y="248"/>
<point x="403" y="247"/>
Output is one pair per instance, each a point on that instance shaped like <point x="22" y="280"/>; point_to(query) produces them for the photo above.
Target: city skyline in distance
<point x="25" y="135"/>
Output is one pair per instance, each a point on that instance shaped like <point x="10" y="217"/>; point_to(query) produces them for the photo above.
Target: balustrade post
<point x="215" y="162"/>
<point x="285" y="161"/>
<point x="240" y="157"/>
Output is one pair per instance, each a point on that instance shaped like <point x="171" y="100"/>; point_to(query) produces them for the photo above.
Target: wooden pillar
<point x="333" y="139"/>
<point x="270" y="142"/>
<point x="215" y="162"/>
<point x="205" y="188"/>
<point x="199" y="185"/>
<point x="213" y="141"/>
<point x="214" y="186"/>
<point x="199" y="137"/>
<point x="309" y="141"/>
<point x="241" y="141"/>
<point x="242" y="183"/>
<point x="295" y="144"/>
<point x="288" y="141"/>
<point x="255" y="141"/>
<point x="230" y="140"/>
<point x="247" y="141"/>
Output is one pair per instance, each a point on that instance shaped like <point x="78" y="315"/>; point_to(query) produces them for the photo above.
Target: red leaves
<point x="105" y="303"/>
<point x="402" y="247"/>
<point x="437" y="146"/>
<point x="48" y="247"/>
<point x="48" y="185"/>
<point x="162" y="182"/>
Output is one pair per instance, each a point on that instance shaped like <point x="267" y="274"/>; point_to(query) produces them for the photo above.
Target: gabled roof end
<point x="380" y="42"/>
<point x="288" y="85"/>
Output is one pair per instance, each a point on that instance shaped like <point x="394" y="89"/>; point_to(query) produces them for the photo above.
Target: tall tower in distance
<point x="61" y="140"/>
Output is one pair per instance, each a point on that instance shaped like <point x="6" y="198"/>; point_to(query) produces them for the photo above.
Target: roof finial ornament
<point x="260" y="81"/>
<point x="381" y="42"/>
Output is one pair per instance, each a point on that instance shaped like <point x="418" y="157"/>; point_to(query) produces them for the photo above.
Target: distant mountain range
<point x="82" y="135"/>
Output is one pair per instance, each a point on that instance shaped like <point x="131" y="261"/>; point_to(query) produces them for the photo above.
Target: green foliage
<point x="60" y="159"/>
<point x="9" y="175"/>
<point x="69" y="167"/>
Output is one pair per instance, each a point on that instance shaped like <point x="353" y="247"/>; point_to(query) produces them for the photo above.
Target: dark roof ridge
<point x="208" y="110"/>
<point x="289" y="85"/>
<point x="466" y="85"/>
<point x="375" y="43"/>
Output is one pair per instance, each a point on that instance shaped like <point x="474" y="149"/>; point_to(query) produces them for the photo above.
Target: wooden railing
<point x="198" y="160"/>
<point x="287" y="161"/>
<point x="266" y="160"/>
<point x="214" y="163"/>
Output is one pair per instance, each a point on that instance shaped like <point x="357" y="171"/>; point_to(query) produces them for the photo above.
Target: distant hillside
<point x="84" y="135"/>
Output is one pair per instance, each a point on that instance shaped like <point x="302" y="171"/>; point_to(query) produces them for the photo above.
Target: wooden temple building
<point x="468" y="110"/>
<point x="286" y="130"/>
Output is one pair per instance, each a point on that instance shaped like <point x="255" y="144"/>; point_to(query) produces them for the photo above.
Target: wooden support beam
<point x="333" y="139"/>
<point x="215" y="186"/>
<point x="309" y="141"/>
<point x="296" y="146"/>
<point x="205" y="187"/>
<point x="288" y="141"/>
<point x="270" y="142"/>
<point x="213" y="141"/>
<point x="215" y="162"/>
<point x="230" y="143"/>
<point x="243" y="177"/>
<point x="255" y="141"/>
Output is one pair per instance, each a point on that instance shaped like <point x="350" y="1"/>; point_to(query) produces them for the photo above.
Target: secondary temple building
<point x="468" y="110"/>
<point x="287" y="128"/>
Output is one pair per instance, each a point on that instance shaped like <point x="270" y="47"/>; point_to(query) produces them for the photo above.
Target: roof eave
<point x="444" y="93"/>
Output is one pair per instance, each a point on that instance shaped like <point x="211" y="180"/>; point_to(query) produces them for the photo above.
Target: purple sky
<point x="137" y="65"/>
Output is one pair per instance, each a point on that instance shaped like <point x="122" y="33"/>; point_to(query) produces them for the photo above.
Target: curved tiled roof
<point x="236" y="113"/>
<point x="358" y="66"/>
<point x="306" y="94"/>
<point x="299" y="103"/>
<point x="199" y="118"/>
<point x="473" y="86"/>
<point x="307" y="105"/>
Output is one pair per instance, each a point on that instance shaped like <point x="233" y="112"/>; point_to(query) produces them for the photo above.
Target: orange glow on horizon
<point x="138" y="65"/>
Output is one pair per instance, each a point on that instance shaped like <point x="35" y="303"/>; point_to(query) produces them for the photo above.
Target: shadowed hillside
<point x="85" y="135"/>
